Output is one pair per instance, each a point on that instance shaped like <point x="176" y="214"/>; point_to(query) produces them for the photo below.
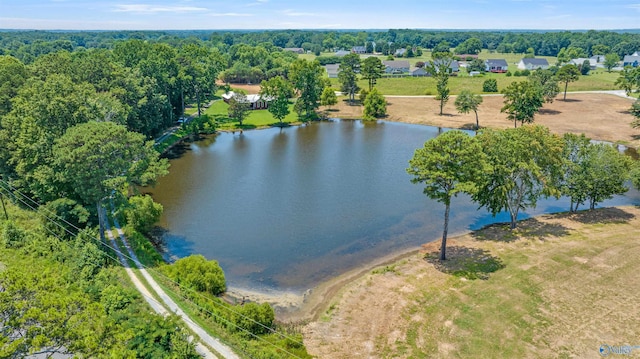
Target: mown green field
<point x="256" y="119"/>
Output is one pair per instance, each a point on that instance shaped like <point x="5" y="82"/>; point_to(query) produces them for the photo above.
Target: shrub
<point x="517" y="73"/>
<point x="12" y="236"/>
<point x="490" y="85"/>
<point x="142" y="213"/>
<point x="197" y="273"/>
<point x="509" y="74"/>
<point x="256" y="318"/>
<point x="375" y="105"/>
<point x="525" y="72"/>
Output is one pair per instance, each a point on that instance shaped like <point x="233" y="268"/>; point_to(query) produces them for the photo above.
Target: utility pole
<point x="3" y="207"/>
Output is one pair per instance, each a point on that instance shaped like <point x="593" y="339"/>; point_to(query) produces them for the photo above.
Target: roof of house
<point x="631" y="58"/>
<point x="535" y="61"/>
<point x="359" y="48"/>
<point x="294" y="49"/>
<point x="581" y="60"/>
<point x="453" y="65"/>
<point x="400" y="51"/>
<point x="342" y="52"/>
<point x="332" y="68"/>
<point x="417" y="69"/>
<point x="396" y="64"/>
<point x="250" y="98"/>
<point x="496" y="62"/>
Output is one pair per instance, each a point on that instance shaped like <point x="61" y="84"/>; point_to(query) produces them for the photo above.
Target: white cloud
<point x="231" y="14"/>
<point x="634" y="6"/>
<point x="146" y="8"/>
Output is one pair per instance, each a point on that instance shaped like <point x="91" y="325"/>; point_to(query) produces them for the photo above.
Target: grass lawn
<point x="557" y="287"/>
<point x="256" y="119"/>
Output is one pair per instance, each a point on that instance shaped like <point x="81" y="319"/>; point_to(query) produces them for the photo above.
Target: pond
<point x="285" y="209"/>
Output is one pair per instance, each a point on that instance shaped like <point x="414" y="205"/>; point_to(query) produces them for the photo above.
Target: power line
<point x="219" y="305"/>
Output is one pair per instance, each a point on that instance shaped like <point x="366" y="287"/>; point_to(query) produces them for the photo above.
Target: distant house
<point x="418" y="71"/>
<point x="332" y="70"/>
<point x="597" y="58"/>
<point x="396" y="67"/>
<point x="533" y="64"/>
<point x="631" y="60"/>
<point x="496" y="65"/>
<point x="297" y="50"/>
<point x="579" y="61"/>
<point x="358" y="50"/>
<point x="400" y="52"/>
<point x="256" y="102"/>
<point x="464" y="57"/>
<point x="341" y="53"/>
<point x="454" y="66"/>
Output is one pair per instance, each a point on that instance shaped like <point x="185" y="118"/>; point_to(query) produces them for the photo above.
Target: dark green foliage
<point x="253" y="317"/>
<point x="635" y="111"/>
<point x="13" y="236"/>
<point x="68" y="213"/>
<point x="522" y="100"/>
<point x="142" y="213"/>
<point x="490" y="85"/>
<point x="375" y="105"/>
<point x="196" y="273"/>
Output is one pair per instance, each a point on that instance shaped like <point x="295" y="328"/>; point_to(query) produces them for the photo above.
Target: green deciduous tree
<point x="254" y="317"/>
<point x="525" y="166"/>
<point x="635" y="111"/>
<point x="375" y="105"/>
<point x="466" y="102"/>
<point x="95" y="158"/>
<point x="348" y="75"/>
<point x="328" y="97"/>
<point x="440" y="70"/>
<point x="490" y="85"/>
<point x="566" y="74"/>
<point x="277" y="91"/>
<point x="593" y="171"/>
<point x="521" y="102"/>
<point x="199" y="69"/>
<point x="196" y="273"/>
<point x="307" y="78"/>
<point x="547" y="84"/>
<point x="610" y="61"/>
<point x="239" y="107"/>
<point x="447" y="165"/>
<point x="13" y="74"/>
<point x="372" y="69"/>
<point x="142" y="213"/>
<point x="628" y="79"/>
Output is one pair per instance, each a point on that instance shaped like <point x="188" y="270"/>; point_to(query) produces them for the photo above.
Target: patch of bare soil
<point x="598" y="116"/>
<point x="583" y="268"/>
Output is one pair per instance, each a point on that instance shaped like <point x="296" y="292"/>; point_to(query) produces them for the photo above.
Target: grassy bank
<point x="559" y="286"/>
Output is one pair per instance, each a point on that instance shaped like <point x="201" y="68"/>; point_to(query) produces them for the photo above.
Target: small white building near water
<point x="533" y="64"/>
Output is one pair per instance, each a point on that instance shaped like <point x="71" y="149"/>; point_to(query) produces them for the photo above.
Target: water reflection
<point x="285" y="208"/>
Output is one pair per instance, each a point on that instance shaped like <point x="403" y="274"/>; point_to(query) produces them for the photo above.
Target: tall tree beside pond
<point x="372" y="69"/>
<point x="440" y="69"/>
<point x="592" y="172"/>
<point x="566" y="74"/>
<point x="448" y="164"/>
<point x="307" y="79"/>
<point x="466" y="102"/>
<point x="348" y="75"/>
<point x="277" y="91"/>
<point x="526" y="164"/>
<point x="635" y="111"/>
<point x="199" y="69"/>
<point x="522" y="100"/>
<point x="239" y="108"/>
<point x="42" y="112"/>
<point x="328" y="97"/>
<point x="375" y="105"/>
<point x="95" y="158"/>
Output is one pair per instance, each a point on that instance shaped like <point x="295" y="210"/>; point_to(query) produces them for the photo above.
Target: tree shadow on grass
<point x="465" y="262"/>
<point x="530" y="228"/>
<point x="601" y="215"/>
<point x="572" y="100"/>
<point x="548" y="111"/>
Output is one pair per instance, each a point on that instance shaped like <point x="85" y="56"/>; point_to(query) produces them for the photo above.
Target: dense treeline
<point x="63" y="295"/>
<point x="28" y="45"/>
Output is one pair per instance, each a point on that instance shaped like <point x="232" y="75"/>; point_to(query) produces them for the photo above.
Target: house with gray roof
<point x="332" y="70"/>
<point x="341" y="53"/>
<point x="297" y="50"/>
<point x="579" y="61"/>
<point x="631" y="60"/>
<point x="396" y="67"/>
<point x="359" y="50"/>
<point x="418" y="71"/>
<point x="454" y="65"/>
<point x="400" y="52"/>
<point x="496" y="65"/>
<point x="533" y="64"/>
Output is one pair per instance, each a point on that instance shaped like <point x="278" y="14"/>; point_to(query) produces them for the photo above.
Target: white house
<point x="533" y="64"/>
<point x="256" y="102"/>
<point x="454" y="66"/>
<point x="341" y="53"/>
<point x="631" y="60"/>
<point x="496" y="65"/>
<point x="332" y="70"/>
<point x="579" y="61"/>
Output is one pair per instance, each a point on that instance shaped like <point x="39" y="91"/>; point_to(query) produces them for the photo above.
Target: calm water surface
<point x="284" y="209"/>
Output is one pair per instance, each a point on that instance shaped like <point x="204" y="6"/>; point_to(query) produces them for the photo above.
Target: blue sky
<point x="325" y="14"/>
